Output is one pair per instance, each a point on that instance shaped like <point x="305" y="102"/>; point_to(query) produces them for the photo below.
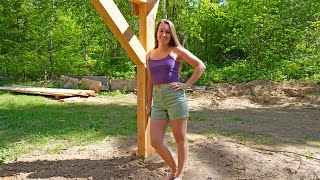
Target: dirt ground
<point x="257" y="130"/>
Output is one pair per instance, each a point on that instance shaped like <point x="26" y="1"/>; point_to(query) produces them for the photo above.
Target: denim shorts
<point x="169" y="104"/>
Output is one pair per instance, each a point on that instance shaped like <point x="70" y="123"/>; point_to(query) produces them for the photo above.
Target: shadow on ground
<point x="117" y="168"/>
<point x="271" y="126"/>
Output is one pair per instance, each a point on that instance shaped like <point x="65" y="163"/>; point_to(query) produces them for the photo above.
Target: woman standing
<point x="166" y="94"/>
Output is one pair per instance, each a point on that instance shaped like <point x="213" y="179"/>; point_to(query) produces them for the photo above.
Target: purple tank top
<point x="164" y="70"/>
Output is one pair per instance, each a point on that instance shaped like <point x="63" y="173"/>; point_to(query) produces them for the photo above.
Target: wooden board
<point x="58" y="93"/>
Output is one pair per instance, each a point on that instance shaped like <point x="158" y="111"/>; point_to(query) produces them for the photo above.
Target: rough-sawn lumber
<point x="58" y="93"/>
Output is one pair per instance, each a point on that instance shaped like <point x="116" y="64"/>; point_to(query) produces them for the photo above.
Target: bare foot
<point x="177" y="178"/>
<point x="169" y="177"/>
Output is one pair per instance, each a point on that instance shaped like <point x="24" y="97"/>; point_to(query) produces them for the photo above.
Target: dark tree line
<point x="239" y="40"/>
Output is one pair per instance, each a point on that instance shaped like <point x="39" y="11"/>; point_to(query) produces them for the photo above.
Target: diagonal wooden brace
<point x="111" y="15"/>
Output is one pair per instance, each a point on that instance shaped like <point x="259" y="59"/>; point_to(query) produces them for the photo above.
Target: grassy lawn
<point x="29" y="122"/>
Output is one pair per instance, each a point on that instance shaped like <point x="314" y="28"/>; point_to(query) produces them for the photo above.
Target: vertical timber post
<point x="136" y="50"/>
<point x="147" y="16"/>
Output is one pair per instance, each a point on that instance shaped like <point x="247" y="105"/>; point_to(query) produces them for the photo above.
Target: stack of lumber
<point x="57" y="93"/>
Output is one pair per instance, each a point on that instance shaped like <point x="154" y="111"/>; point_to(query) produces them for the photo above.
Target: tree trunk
<point x="104" y="48"/>
<point x="85" y="53"/>
<point x="6" y="66"/>
<point x="173" y="9"/>
<point x="164" y="9"/>
<point x="50" y="48"/>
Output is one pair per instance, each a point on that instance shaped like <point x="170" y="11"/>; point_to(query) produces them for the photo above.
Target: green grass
<point x="29" y="122"/>
<point x="198" y="116"/>
<point x="238" y="119"/>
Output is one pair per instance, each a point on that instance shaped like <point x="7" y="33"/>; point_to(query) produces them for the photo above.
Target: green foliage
<point x="239" y="40"/>
<point x="112" y="93"/>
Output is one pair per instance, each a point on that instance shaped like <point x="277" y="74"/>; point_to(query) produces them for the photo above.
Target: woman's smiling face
<point x="164" y="33"/>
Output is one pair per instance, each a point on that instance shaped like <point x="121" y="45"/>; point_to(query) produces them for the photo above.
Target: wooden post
<point x="147" y="16"/>
<point x="137" y="51"/>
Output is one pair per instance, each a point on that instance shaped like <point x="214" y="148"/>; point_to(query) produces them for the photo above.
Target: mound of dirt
<point x="260" y="92"/>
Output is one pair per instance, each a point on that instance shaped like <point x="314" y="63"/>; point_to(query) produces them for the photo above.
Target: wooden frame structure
<point x="136" y="49"/>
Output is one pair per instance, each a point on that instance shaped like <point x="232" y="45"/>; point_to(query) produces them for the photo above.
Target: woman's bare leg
<point x="157" y="131"/>
<point x="179" y="129"/>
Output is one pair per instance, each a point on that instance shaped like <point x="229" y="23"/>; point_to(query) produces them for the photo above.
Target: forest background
<point x="238" y="40"/>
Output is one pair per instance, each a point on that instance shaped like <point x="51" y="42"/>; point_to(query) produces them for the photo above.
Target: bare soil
<point x="257" y="130"/>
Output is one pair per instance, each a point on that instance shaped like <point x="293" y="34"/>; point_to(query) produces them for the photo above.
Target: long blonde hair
<point x="174" y="41"/>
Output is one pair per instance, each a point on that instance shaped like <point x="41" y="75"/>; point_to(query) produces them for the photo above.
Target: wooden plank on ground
<point x="58" y="93"/>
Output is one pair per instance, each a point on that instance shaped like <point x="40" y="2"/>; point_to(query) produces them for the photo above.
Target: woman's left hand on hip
<point x="178" y="85"/>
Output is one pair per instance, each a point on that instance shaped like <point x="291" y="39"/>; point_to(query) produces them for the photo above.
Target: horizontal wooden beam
<point x="112" y="16"/>
<point x="138" y="1"/>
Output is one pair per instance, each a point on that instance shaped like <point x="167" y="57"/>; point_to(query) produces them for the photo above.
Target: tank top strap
<point x="169" y="53"/>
